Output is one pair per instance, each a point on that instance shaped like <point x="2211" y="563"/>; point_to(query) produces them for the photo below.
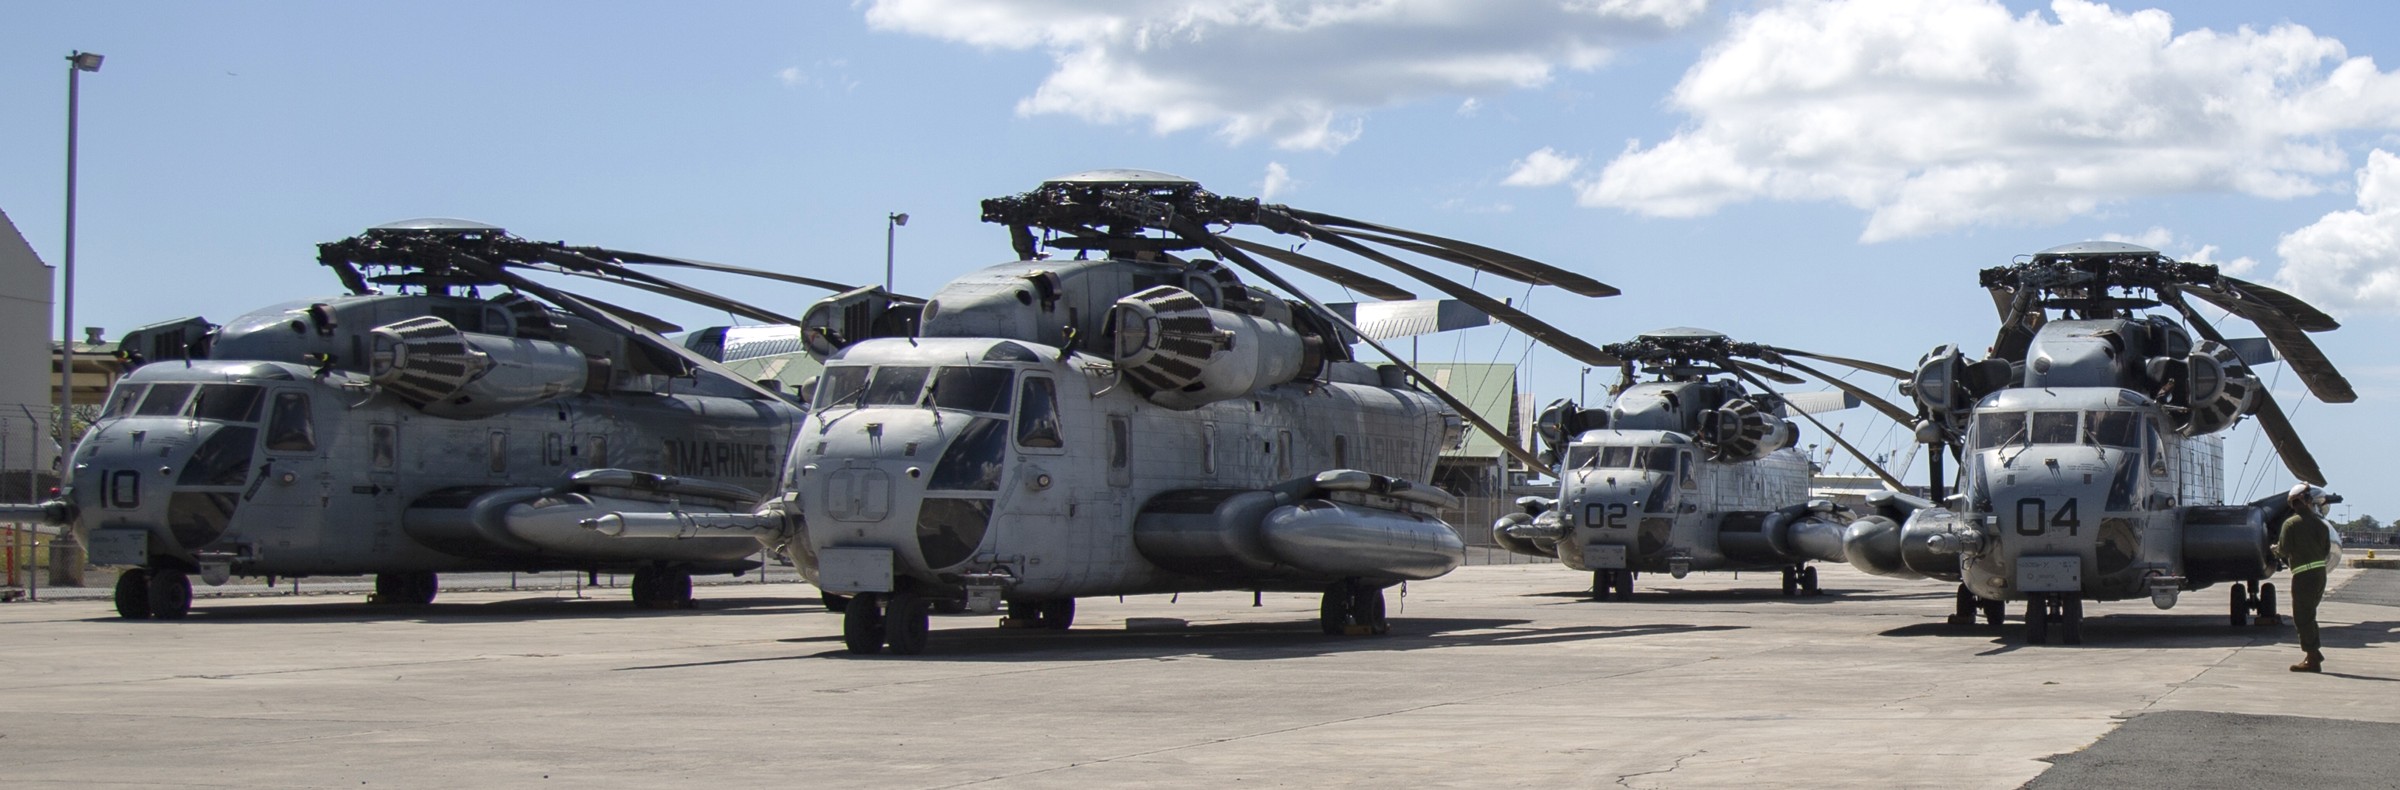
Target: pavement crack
<point x="1625" y="780"/>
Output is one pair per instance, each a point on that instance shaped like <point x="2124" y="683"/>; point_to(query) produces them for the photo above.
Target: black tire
<point x="950" y="606"/>
<point x="1994" y="612"/>
<point x="907" y="623"/>
<point x="1963" y="605"/>
<point x="1058" y="614"/>
<point x="426" y="585"/>
<point x="387" y="588"/>
<point x="862" y="625"/>
<point x="2267" y="613"/>
<point x="1625" y="585"/>
<point x="675" y="588"/>
<point x="1604" y="582"/>
<point x="1808" y="582"/>
<point x="2070" y="619"/>
<point x="2037" y="620"/>
<point x="2241" y="605"/>
<point x="834" y="603"/>
<point x="1791" y="583"/>
<point x="170" y="594"/>
<point x="1333" y="610"/>
<point x="133" y="594"/>
<point x="1366" y="607"/>
<point x="1023" y="613"/>
<point x="644" y="588"/>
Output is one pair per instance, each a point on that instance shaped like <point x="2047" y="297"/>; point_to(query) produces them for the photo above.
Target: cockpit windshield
<point x="896" y="385"/>
<point x="1660" y="459"/>
<point x="2120" y="429"/>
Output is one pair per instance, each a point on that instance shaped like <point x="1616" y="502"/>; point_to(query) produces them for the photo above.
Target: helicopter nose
<point x="182" y="483"/>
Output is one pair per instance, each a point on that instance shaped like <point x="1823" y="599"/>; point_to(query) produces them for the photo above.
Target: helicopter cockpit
<point x="2011" y="444"/>
<point x="203" y="428"/>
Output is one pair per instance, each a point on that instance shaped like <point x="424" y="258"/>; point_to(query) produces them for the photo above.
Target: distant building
<point x="28" y="383"/>
<point x="1484" y="477"/>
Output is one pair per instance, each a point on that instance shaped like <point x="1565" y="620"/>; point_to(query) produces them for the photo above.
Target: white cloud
<point x="828" y="75"/>
<point x="1278" y="182"/>
<point x="790" y="76"/>
<point x="1542" y="168"/>
<point x="1470" y="107"/>
<point x="1298" y="73"/>
<point x="2350" y="260"/>
<point x="1933" y="115"/>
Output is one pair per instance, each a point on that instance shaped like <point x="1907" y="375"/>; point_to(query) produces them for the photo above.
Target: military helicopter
<point x="425" y="429"/>
<point x="1127" y="421"/>
<point x="1691" y="470"/>
<point x="2090" y="441"/>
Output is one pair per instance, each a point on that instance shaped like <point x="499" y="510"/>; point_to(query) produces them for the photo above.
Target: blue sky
<point x="1827" y="175"/>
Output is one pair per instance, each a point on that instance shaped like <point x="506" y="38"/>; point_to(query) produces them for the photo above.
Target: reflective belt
<point x="2306" y="567"/>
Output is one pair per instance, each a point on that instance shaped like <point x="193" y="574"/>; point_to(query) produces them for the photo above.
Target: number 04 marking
<point x="2034" y="516"/>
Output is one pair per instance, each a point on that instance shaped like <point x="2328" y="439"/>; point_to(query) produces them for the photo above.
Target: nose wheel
<point x="2254" y="598"/>
<point x="1800" y="580"/>
<point x="1612" y="584"/>
<point x="2063" y="610"/>
<point x="143" y="593"/>
<point x="1353" y="607"/>
<point x="1970" y="605"/>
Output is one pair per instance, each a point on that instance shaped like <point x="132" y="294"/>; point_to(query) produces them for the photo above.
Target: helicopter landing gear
<point x="1056" y="614"/>
<point x="2241" y="604"/>
<point x="170" y="594"/>
<point x="408" y="589"/>
<point x="1800" y="580"/>
<point x="1351" y="606"/>
<point x="133" y="594"/>
<point x="2264" y="598"/>
<point x="834" y="603"/>
<point x="2063" y="609"/>
<point x="862" y="624"/>
<point x="1614" y="584"/>
<point x="907" y="623"/>
<point x="2252" y="597"/>
<point x="1971" y="605"/>
<point x="662" y="587"/>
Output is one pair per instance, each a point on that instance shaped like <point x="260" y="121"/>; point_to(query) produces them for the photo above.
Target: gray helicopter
<point x="2090" y="441"/>
<point x="1128" y="421"/>
<point x="1690" y="471"/>
<point x="424" y="430"/>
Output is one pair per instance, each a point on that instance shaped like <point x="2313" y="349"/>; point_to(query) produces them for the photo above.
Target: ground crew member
<point x="2305" y="544"/>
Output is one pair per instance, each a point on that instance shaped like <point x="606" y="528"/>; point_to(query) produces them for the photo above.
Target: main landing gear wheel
<point x="1791" y="582"/>
<point x="133" y="594"/>
<point x="834" y="603"/>
<point x="907" y="622"/>
<point x="170" y="594"/>
<point x="1994" y="612"/>
<point x="1612" y="584"/>
<point x="2240" y="608"/>
<point x="1966" y="607"/>
<point x="1058" y="614"/>
<point x="2044" y="609"/>
<point x="862" y="624"/>
<point x="1352" y="604"/>
<point x="1808" y="582"/>
<point x="2265" y="599"/>
<point x="415" y="588"/>
<point x="658" y="587"/>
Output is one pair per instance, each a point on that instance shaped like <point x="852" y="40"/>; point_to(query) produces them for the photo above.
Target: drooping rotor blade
<point x="1888" y="480"/>
<point x="1526" y="269"/>
<point x="635" y="317"/>
<point x="1820" y="402"/>
<point x="585" y="310"/>
<point x="1583" y="285"/>
<point x="2307" y="316"/>
<point x="1860" y="364"/>
<point x="2017" y="324"/>
<point x="1332" y="273"/>
<point x="692" y="295"/>
<point x="2271" y="419"/>
<point x="1900" y="415"/>
<point x="1191" y="230"/>
<point x="662" y="260"/>
<point x="626" y="276"/>
<point x="1552" y="336"/>
<point x="1777" y="376"/>
<point x="1410" y="318"/>
<point x="2001" y="299"/>
<point x="2291" y="341"/>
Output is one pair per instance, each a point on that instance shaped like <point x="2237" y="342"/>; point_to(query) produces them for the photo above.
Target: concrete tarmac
<point x="1494" y="676"/>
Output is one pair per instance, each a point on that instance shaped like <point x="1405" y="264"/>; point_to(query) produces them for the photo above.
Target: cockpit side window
<point x="1037" y="414"/>
<point x="288" y="427"/>
<point x="972" y="389"/>
<point x="896" y="385"/>
<point x="1996" y="429"/>
<point x="2053" y="427"/>
<point x="2119" y="429"/>
<point x="841" y="385"/>
<point x="227" y="403"/>
<point x="164" y="400"/>
<point x="121" y="401"/>
<point x="1658" y="459"/>
<point x="1580" y="456"/>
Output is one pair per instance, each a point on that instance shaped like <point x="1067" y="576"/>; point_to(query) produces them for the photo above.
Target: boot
<point x="2315" y="662"/>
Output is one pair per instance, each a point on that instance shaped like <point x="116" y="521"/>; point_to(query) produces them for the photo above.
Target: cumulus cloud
<point x="1542" y="168"/>
<point x="1298" y="73"/>
<point x="1933" y="115"/>
<point x="824" y="74"/>
<point x="1278" y="182"/>
<point x="2350" y="260"/>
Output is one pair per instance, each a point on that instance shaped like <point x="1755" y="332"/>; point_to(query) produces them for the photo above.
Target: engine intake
<point x="1182" y="354"/>
<point x="453" y="374"/>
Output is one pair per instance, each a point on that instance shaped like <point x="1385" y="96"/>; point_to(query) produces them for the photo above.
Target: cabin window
<point x="554" y="449"/>
<point x="1283" y="455"/>
<point x="1208" y="449"/>
<point x="288" y="428"/>
<point x="497" y="451"/>
<point x="1120" y="450"/>
<point x="386" y="440"/>
<point x="226" y="403"/>
<point x="895" y="385"/>
<point x="164" y="400"/>
<point x="1341" y="451"/>
<point x="599" y="456"/>
<point x="1037" y="414"/>
<point x="971" y="389"/>
<point x="122" y="400"/>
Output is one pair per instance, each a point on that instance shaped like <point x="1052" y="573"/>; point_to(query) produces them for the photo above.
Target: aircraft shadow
<point x="1229" y="641"/>
<point x="357" y="610"/>
<point x="2106" y="631"/>
<point x="1672" y="595"/>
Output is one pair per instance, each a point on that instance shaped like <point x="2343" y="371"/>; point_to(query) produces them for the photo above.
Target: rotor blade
<point x="1552" y="336"/>
<point x="1777" y="376"/>
<point x="1888" y="480"/>
<point x="672" y="288"/>
<point x="1900" y="415"/>
<point x="2306" y="315"/>
<point x="2271" y="419"/>
<point x="662" y="260"/>
<point x="1860" y="364"/>
<point x="1527" y="269"/>
<point x="698" y="297"/>
<point x="1325" y="269"/>
<point x="1412" y="317"/>
<point x="635" y="317"/>
<point x="2286" y="440"/>
<point x="587" y="311"/>
<point x="2017" y="324"/>
<point x="1820" y="402"/>
<point x="1188" y="229"/>
<point x="2291" y="342"/>
<point x="1587" y="286"/>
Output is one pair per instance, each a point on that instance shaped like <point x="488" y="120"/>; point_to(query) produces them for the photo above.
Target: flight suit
<point x="2305" y="545"/>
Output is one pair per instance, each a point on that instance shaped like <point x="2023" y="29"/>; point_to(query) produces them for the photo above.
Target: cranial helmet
<point x="2316" y="498"/>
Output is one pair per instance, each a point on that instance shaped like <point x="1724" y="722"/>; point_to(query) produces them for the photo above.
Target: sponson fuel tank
<point x="1340" y="523"/>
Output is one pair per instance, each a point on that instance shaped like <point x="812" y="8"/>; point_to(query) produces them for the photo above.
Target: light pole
<point x="891" y="226"/>
<point x="1582" y="388"/>
<point x="67" y="547"/>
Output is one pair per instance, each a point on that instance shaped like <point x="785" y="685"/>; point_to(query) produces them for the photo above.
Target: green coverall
<point x="2304" y="545"/>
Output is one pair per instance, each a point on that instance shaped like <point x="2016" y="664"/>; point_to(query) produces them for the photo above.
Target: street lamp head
<point x="86" y="61"/>
<point x="900" y="219"/>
